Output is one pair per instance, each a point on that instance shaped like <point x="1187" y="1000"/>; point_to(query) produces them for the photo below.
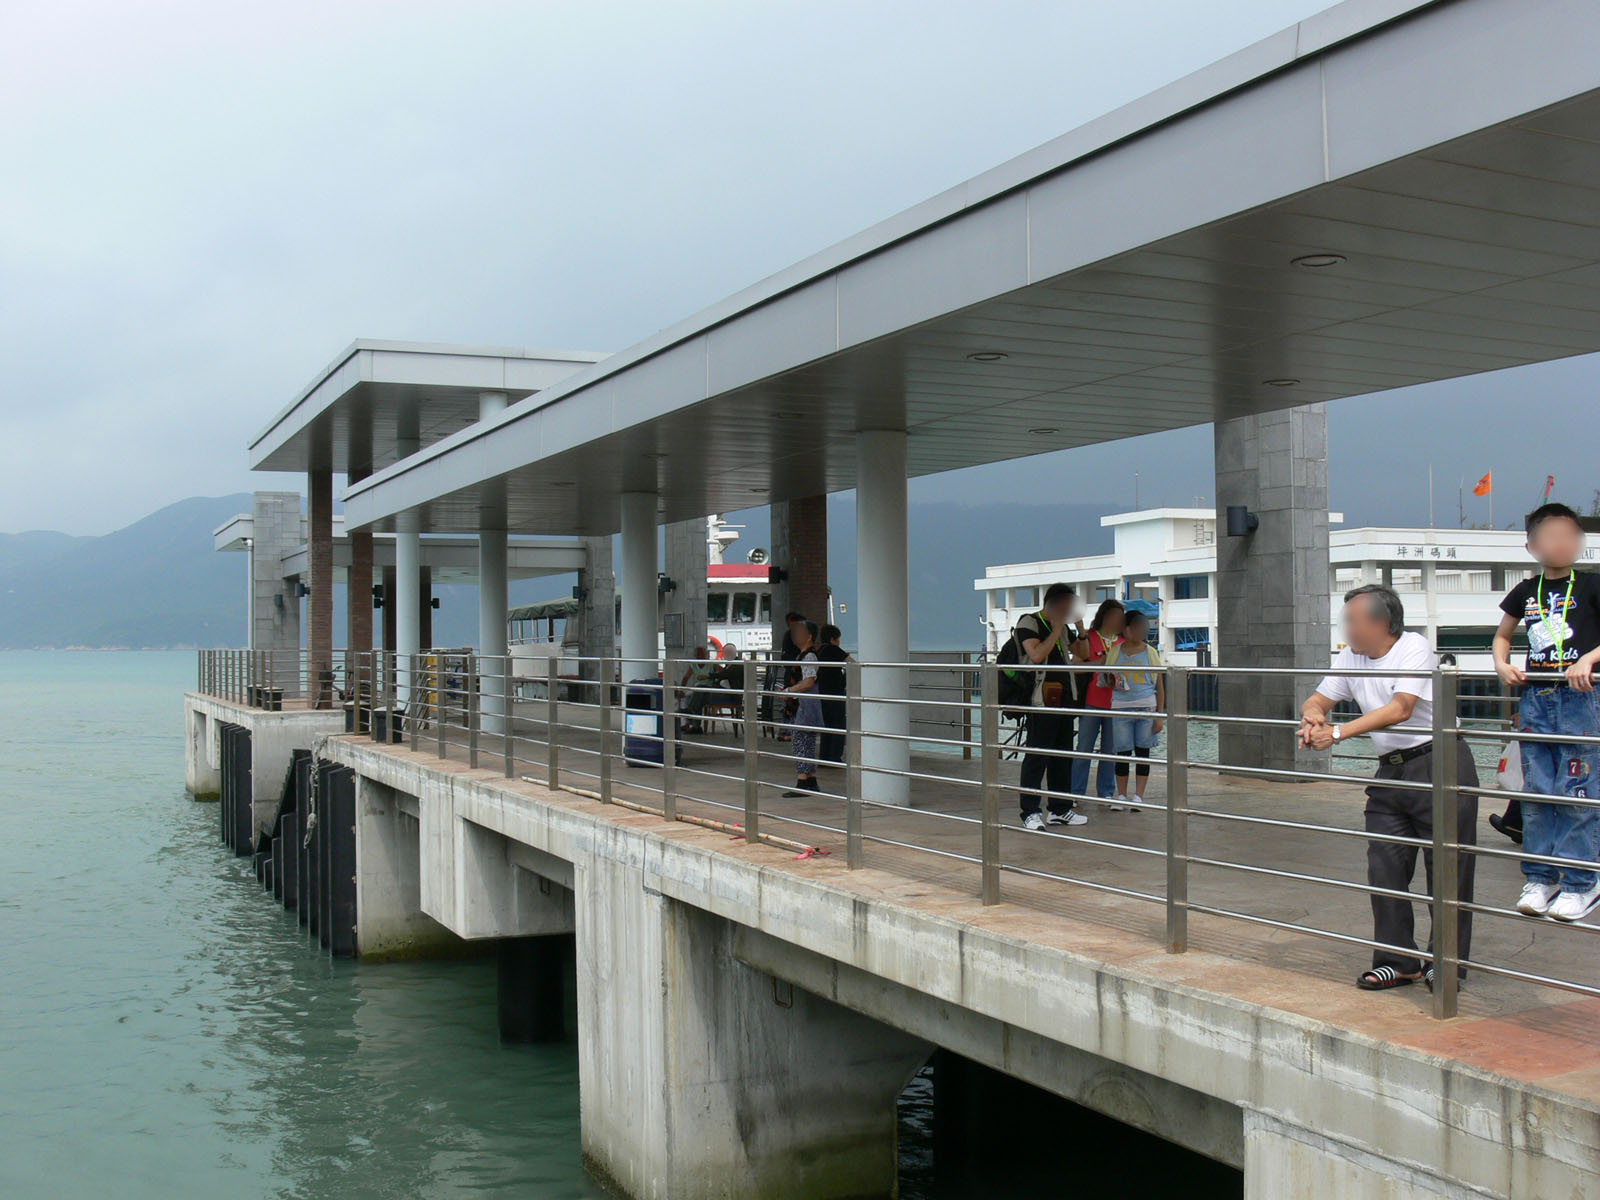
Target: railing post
<point x="1177" y="810"/>
<point x="552" y="719"/>
<point x="989" y="739"/>
<point x="669" y="743"/>
<point x="605" y="670"/>
<point x="438" y="699"/>
<point x="966" y="706"/>
<point x="510" y="744"/>
<point x="474" y="711"/>
<point x="1446" y="860"/>
<point x="752" y="746"/>
<point x="852" y="770"/>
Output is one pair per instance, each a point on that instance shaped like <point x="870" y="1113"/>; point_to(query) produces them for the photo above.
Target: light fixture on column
<point x="433" y="602"/>
<point x="777" y="575"/>
<point x="277" y="600"/>
<point x="377" y="595"/>
<point x="301" y="590"/>
<point x="579" y="593"/>
<point x="1241" y="521"/>
<point x="664" y="583"/>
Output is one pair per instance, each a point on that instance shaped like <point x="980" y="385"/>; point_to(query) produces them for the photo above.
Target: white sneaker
<point x="1574" y="906"/>
<point x="1115" y="807"/>
<point x="1536" y="897"/>
<point x="1034" y="822"/>
<point x="1071" y="817"/>
<point x="1137" y="800"/>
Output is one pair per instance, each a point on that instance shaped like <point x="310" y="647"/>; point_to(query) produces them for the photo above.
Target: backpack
<point x="1014" y="688"/>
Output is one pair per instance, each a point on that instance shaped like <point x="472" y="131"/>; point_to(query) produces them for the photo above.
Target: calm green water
<point x="166" y="1031"/>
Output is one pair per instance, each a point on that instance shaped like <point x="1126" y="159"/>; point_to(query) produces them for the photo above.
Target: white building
<point x="1451" y="580"/>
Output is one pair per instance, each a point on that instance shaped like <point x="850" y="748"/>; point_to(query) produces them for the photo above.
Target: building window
<point x="744" y="608"/>
<point x="1025" y="597"/>
<point x="1105" y="593"/>
<point x="1190" y="639"/>
<point x="1191" y="587"/>
<point x="717" y="607"/>
<point x="766" y="608"/>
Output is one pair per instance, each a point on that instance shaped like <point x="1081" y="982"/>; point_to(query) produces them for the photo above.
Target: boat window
<point x="717" y="607"/>
<point x="744" y="608"/>
<point x="766" y="608"/>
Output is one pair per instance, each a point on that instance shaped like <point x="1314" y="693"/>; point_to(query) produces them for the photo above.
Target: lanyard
<point x="1559" y="640"/>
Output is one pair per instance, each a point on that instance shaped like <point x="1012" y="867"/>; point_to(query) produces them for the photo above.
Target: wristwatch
<point x="1336" y="733"/>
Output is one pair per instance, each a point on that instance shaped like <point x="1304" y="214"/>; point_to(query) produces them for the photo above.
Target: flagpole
<point x="1491" y="498"/>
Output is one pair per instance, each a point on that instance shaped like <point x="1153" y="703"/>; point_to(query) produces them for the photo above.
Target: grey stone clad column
<point x="683" y="609"/>
<point x="597" y="629"/>
<point x="278" y="530"/>
<point x="1272" y="585"/>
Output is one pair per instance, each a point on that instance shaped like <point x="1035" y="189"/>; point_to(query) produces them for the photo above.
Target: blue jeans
<point x="1560" y="769"/>
<point x="1091" y="729"/>
<point x="1132" y="729"/>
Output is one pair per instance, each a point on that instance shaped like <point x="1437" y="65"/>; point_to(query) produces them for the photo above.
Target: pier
<point x="764" y="999"/>
<point x="1391" y="193"/>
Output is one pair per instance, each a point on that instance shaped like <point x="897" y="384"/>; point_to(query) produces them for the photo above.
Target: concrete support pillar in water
<point x="640" y="609"/>
<point x="883" y="610"/>
<point x="319" y="632"/>
<point x="531" y="983"/>
<point x="701" y="1076"/>
<point x="1272" y="583"/>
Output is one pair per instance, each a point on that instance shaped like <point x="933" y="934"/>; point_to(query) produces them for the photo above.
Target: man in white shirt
<point x="1376" y="640"/>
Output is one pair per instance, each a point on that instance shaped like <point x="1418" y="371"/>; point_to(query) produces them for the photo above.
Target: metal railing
<point x="926" y="772"/>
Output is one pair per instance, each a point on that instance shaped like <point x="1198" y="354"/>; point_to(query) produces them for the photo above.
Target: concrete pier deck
<point x="1254" y="1047"/>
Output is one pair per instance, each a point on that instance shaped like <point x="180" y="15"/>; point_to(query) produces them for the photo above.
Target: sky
<point x="202" y="204"/>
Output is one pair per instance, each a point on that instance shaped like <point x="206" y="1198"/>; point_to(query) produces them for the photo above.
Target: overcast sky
<point x="202" y="203"/>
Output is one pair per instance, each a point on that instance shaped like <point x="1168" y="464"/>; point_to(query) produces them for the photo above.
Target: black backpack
<point x="1014" y="689"/>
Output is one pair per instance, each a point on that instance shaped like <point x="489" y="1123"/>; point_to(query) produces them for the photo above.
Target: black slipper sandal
<point x="1381" y="979"/>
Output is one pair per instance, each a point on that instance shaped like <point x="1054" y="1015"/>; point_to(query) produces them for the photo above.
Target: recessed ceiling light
<point x="1043" y="429"/>
<point x="987" y="355"/>
<point x="562" y="483"/>
<point x="760" y="491"/>
<point x="1316" y="262"/>
<point x="1285" y="382"/>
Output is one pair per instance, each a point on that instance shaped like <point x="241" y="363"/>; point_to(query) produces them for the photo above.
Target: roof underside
<point x="1147" y="286"/>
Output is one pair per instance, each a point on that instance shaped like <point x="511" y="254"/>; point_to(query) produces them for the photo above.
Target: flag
<point x="1484" y="485"/>
<point x="1549" y="482"/>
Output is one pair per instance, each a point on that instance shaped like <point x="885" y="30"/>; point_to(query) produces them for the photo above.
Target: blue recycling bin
<point x="642" y="724"/>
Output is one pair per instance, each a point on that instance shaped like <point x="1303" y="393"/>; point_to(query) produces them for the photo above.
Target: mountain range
<point x="158" y="584"/>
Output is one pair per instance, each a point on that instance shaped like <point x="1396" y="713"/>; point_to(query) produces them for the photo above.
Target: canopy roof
<point x="1389" y="193"/>
<point x="564" y="607"/>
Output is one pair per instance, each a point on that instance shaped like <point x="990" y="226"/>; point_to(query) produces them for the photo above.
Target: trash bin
<point x="642" y="724"/>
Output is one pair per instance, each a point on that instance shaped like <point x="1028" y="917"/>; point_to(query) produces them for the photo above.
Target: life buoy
<point x="716" y="645"/>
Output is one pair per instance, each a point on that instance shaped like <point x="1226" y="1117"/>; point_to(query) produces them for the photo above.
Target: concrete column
<point x="683" y="609"/>
<point x="597" y="617"/>
<point x="800" y="551"/>
<point x="492" y="608"/>
<point x="1272" y="585"/>
<point x="408" y="594"/>
<point x="390" y="923"/>
<point x="319" y="636"/>
<point x="278" y="529"/>
<point x="640" y="612"/>
<point x="701" y="1076"/>
<point x="883" y="616"/>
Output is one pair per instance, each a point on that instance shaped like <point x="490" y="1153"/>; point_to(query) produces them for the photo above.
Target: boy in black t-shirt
<point x="1560" y="610"/>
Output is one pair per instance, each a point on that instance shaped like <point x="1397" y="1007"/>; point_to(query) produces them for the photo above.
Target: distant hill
<point x="158" y="584"/>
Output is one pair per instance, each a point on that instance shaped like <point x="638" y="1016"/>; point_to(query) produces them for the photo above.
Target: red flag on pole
<point x="1549" y="482"/>
<point x="1485" y="485"/>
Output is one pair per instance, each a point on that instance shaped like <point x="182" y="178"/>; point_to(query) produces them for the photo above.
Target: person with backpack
<point x="1042" y="640"/>
<point x="1104" y="631"/>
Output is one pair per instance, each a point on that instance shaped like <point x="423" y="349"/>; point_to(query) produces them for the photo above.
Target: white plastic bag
<point x="1509" y="777"/>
